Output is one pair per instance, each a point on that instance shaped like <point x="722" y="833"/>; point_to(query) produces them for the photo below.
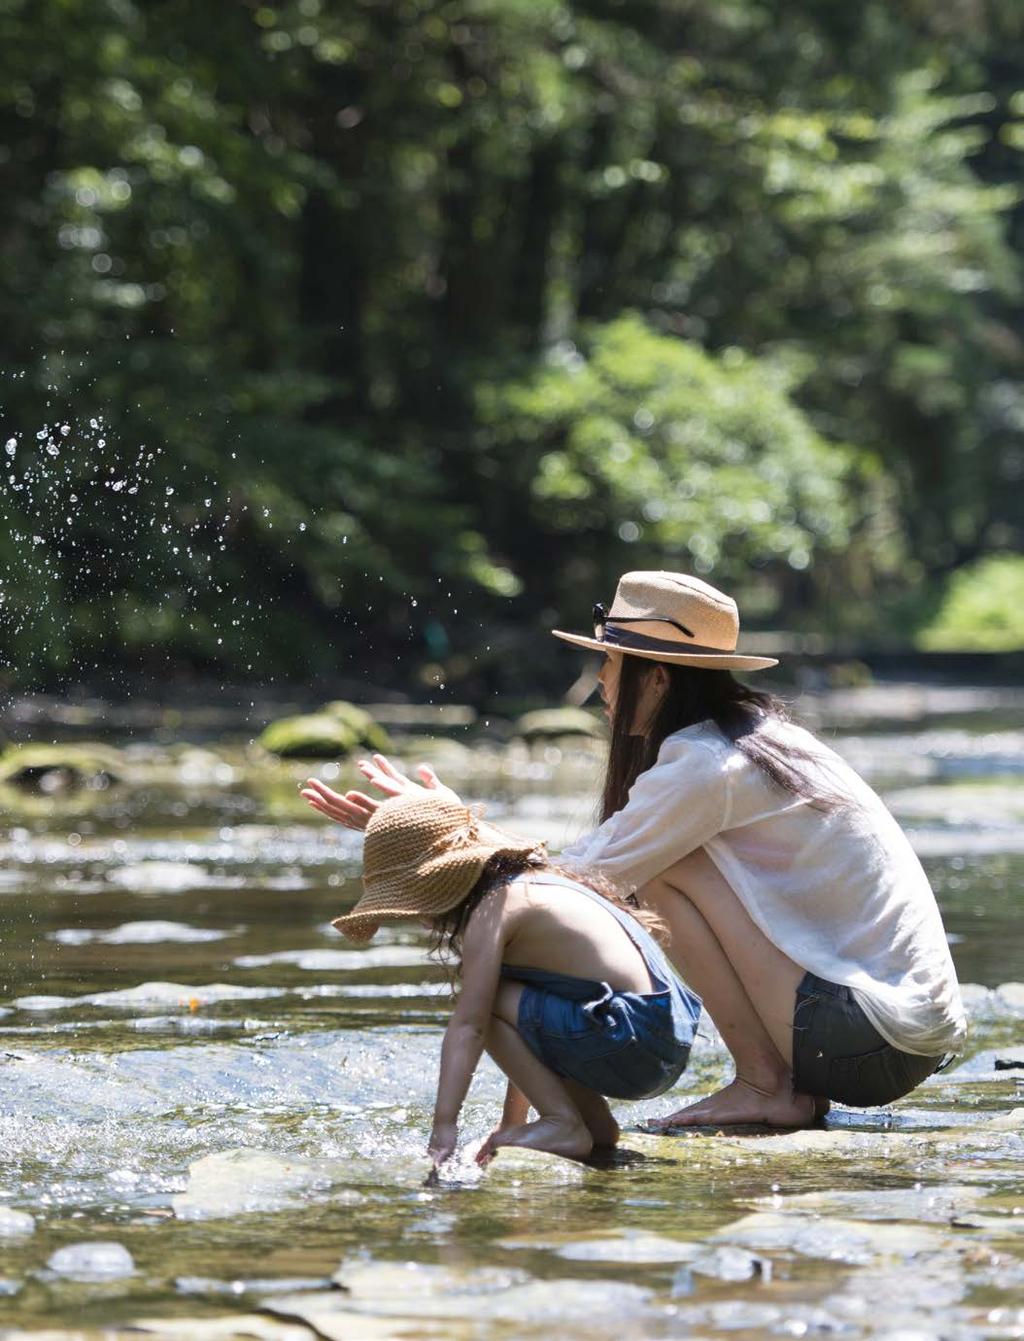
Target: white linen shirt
<point x="841" y="892"/>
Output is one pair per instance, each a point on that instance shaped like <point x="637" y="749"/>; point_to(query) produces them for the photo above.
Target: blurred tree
<point x="327" y="264"/>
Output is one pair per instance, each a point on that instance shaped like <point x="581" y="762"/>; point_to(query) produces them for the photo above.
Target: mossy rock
<point x="550" y="723"/>
<point x="367" y="731"/>
<point x="49" y="769"/>
<point x="316" y="735"/>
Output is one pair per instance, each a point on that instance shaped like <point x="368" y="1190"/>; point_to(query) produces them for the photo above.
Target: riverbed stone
<point x="242" y="1181"/>
<point x="1011" y="1121"/>
<point x="309" y="736"/>
<point x="15" y="1224"/>
<point x="460" y="1299"/>
<point x="368" y="733"/>
<point x="552" y="723"/>
<point x="1009" y="998"/>
<point x="940" y="1204"/>
<point x="100" y="1261"/>
<point x="727" y="1262"/>
<point x="829" y="1238"/>
<point x="53" y="769"/>
<point x="232" y="1327"/>
<point x="615" y="1246"/>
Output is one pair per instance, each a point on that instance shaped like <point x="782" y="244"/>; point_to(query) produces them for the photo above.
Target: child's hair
<point x="449" y="928"/>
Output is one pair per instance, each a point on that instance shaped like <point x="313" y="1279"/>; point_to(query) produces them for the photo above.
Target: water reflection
<point x="196" y="1068"/>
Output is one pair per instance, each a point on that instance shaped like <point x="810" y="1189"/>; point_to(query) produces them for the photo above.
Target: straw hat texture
<point x="422" y="856"/>
<point x="670" y="617"/>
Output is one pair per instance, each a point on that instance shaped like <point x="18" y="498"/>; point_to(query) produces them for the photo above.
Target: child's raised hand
<point x="382" y="774"/>
<point x="353" y="810"/>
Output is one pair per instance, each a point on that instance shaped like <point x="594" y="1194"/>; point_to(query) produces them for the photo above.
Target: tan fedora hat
<point x="670" y="617"/>
<point x="422" y="856"/>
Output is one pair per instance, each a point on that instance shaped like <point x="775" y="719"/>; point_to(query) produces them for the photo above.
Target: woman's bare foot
<point x="741" y="1103"/>
<point x="552" y="1135"/>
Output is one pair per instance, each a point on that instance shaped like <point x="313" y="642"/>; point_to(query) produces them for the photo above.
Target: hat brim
<point x="367" y="916"/>
<point x="704" y="660"/>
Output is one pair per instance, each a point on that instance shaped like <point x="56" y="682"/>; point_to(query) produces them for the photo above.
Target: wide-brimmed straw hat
<point x="670" y="617"/>
<point x="422" y="856"/>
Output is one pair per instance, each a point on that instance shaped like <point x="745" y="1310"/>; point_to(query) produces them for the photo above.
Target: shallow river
<point x="213" y="1114"/>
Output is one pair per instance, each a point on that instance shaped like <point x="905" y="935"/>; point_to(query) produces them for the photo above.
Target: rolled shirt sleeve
<point x="673" y="808"/>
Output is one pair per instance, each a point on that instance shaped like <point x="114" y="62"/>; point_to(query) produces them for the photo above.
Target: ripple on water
<point x="141" y="933"/>
<point x="377" y="956"/>
<point x="159" y="995"/>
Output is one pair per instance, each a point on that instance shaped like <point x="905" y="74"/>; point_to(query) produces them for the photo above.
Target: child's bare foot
<point x="555" y="1136"/>
<point x="741" y="1103"/>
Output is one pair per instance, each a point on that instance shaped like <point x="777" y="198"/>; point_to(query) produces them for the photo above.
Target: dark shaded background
<point x="366" y="338"/>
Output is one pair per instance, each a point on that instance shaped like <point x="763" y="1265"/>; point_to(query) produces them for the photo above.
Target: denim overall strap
<point x="650" y="951"/>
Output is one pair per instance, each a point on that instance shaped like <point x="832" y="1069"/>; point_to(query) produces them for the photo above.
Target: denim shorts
<point x="839" y="1054"/>
<point x="624" y="1045"/>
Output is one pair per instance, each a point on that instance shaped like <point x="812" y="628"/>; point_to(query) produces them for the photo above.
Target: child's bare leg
<point x="594" y="1111"/>
<point x="559" y="1127"/>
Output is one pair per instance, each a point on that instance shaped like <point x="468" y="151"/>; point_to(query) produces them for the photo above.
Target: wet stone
<point x="283" y="1285"/>
<point x="426" y="1293"/>
<point x="727" y="1262"/>
<point x="934" y="1205"/>
<point x="234" y="1182"/>
<point x="626" y="1246"/>
<point x="234" y="1327"/>
<point x="828" y="1239"/>
<point x="92" y="1262"/>
<point x="15" y="1224"/>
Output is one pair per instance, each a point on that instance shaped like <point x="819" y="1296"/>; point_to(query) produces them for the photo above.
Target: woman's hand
<point x="442" y="1143"/>
<point x="353" y="809"/>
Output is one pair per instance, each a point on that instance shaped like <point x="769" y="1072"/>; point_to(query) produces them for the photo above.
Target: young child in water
<point x="559" y="982"/>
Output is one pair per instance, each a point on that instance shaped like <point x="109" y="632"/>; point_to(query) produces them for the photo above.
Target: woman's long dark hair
<point x="743" y="715"/>
<point x="448" y="929"/>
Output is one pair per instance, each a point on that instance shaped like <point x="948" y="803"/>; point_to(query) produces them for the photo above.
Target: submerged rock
<point x="92" y="1261"/>
<point x="727" y="1262"/>
<point x="629" y="1247"/>
<point x="368" y="732"/>
<point x="828" y="1239"/>
<point x="234" y="1182"/>
<point x="312" y="736"/>
<point x="231" y="1327"/>
<point x="550" y="723"/>
<point x="335" y="731"/>
<point x="52" y="769"/>
<point x="15" y="1224"/>
<point x="418" y="1300"/>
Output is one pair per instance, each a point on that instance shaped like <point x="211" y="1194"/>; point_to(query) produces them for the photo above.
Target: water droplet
<point x="11" y="447"/>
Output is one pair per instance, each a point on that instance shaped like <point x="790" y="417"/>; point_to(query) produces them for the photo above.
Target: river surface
<point x="213" y="1112"/>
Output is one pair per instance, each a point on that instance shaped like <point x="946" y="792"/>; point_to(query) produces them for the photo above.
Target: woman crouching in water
<point x="560" y="982"/>
<point x="795" y="905"/>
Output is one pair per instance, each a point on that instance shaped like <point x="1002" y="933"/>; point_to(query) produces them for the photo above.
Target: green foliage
<point x="353" y="277"/>
<point x="981" y="609"/>
<point x="705" y="460"/>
